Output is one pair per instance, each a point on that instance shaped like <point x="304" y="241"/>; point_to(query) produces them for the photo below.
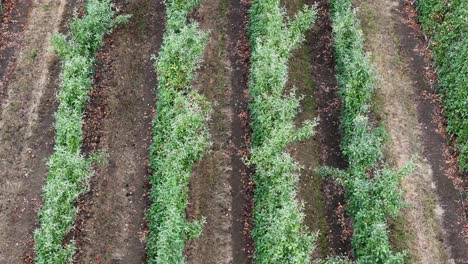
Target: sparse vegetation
<point x="68" y="168"/>
<point x="180" y="136"/>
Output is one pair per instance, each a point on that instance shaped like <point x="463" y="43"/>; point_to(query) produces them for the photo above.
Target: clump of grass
<point x="445" y="23"/>
<point x="180" y="135"/>
<point x="68" y="169"/>
<point x="279" y="233"/>
<point x="372" y="189"/>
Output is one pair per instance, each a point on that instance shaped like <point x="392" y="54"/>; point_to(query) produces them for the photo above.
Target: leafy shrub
<point x="68" y="169"/>
<point x="180" y="136"/>
<point x="445" y="22"/>
<point x="372" y="190"/>
<point x="279" y="233"/>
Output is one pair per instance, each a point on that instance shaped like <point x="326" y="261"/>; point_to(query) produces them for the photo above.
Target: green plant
<point x="279" y="233"/>
<point x="180" y="136"/>
<point x="68" y="169"/>
<point x="446" y="24"/>
<point x="372" y="189"/>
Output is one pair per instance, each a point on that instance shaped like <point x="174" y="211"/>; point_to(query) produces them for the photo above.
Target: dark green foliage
<point x="446" y="24"/>
<point x="279" y="233"/>
<point x="180" y="136"/>
<point x="372" y="190"/>
<point x="68" y="169"/>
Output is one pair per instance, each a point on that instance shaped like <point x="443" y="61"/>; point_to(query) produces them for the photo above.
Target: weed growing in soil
<point x="372" y="189"/>
<point x="180" y="136"/>
<point x="279" y="233"/>
<point x="68" y="169"/>
<point x="445" y="22"/>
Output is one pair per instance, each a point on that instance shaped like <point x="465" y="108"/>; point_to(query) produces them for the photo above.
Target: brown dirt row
<point x="241" y="176"/>
<point x="111" y="226"/>
<point x="27" y="123"/>
<point x="429" y="228"/>
<point x="13" y="22"/>
<point x="329" y="134"/>
<point x="307" y="153"/>
<point x="216" y="183"/>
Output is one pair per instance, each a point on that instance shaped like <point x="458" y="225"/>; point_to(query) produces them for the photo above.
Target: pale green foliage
<point x="279" y="233"/>
<point x="372" y="190"/>
<point x="68" y="169"/>
<point x="180" y="136"/>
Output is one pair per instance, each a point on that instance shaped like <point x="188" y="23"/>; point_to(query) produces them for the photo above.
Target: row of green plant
<point x="180" y="135"/>
<point x="372" y="189"/>
<point x="68" y="168"/>
<point x="445" y="22"/>
<point x="279" y="233"/>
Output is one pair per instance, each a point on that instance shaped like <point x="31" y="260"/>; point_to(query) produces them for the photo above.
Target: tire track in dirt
<point x="111" y="226"/>
<point x="13" y="19"/>
<point x="407" y="116"/>
<point x="27" y="130"/>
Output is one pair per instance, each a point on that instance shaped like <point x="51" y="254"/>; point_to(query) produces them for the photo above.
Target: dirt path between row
<point x="111" y="226"/>
<point x="428" y="227"/>
<point x="216" y="183"/>
<point x="27" y="129"/>
<point x="13" y="21"/>
<point x="307" y="153"/>
<point x="329" y="133"/>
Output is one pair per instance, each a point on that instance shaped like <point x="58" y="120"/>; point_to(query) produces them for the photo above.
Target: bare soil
<point x="12" y="25"/>
<point x="329" y="134"/>
<point x="429" y="228"/>
<point x="216" y="191"/>
<point x="111" y="226"/>
<point x="27" y="120"/>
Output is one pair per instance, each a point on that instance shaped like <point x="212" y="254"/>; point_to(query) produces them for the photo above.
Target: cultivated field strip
<point x="445" y="22"/>
<point x="180" y="135"/>
<point x="279" y="233"/>
<point x="225" y="167"/>
<point x="68" y="169"/>
<point x="371" y="188"/>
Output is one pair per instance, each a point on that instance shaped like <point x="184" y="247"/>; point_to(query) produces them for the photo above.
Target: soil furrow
<point x="210" y="189"/>
<point x="241" y="175"/>
<point x="111" y="226"/>
<point x="27" y="129"/>
<point x="307" y="153"/>
<point x="428" y="227"/>
<point x="329" y="133"/>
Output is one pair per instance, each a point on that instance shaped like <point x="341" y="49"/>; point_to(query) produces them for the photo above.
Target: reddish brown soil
<point x="241" y="177"/>
<point x="329" y="135"/>
<point x="451" y="184"/>
<point x="111" y="226"/>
